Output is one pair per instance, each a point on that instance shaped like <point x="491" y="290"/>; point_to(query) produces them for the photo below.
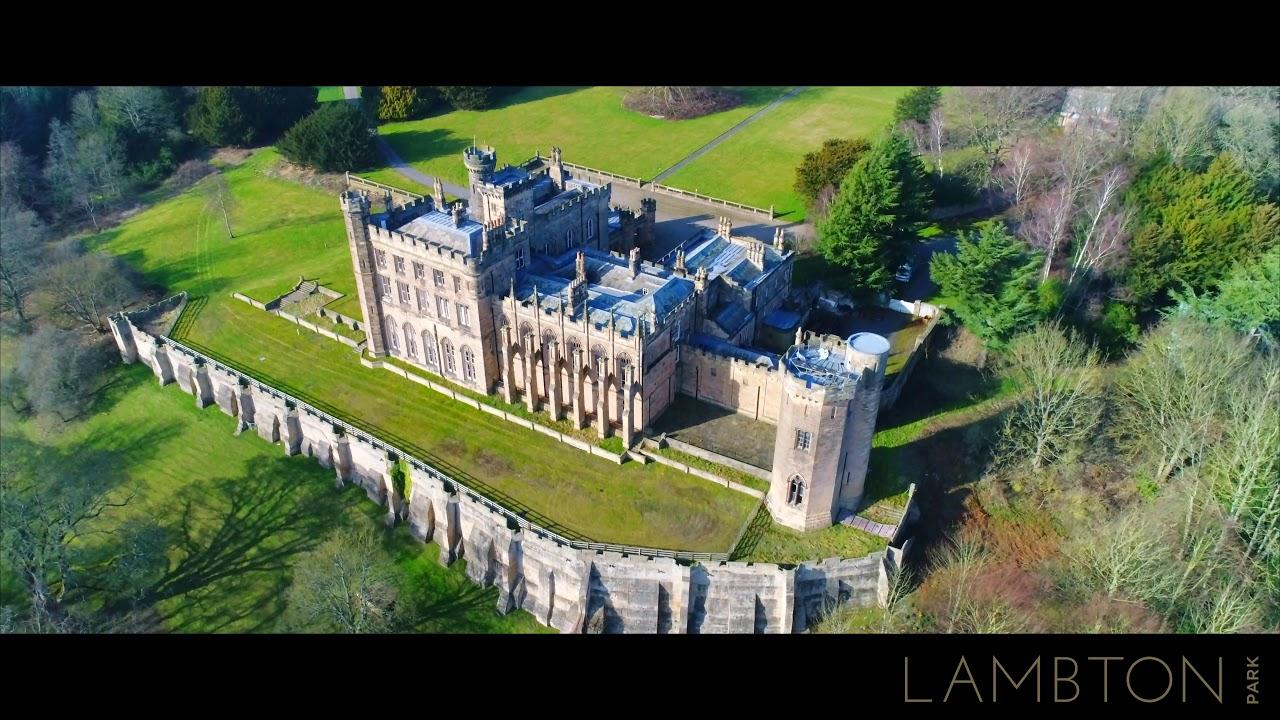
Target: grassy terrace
<point x="589" y="124"/>
<point x="778" y="140"/>
<point x="766" y="541"/>
<point x="246" y="511"/>
<point x="286" y="230"/>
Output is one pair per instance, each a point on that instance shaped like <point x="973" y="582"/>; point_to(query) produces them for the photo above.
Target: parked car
<point x="904" y="273"/>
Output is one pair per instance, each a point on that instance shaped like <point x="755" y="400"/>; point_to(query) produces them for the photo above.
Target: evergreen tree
<point x="1194" y="228"/>
<point x="827" y="166"/>
<point x="219" y="117"/>
<point x="1248" y="301"/>
<point x="335" y="138"/>
<point x="871" y="224"/>
<point x="991" y="279"/>
<point x="404" y="102"/>
<point x="917" y="104"/>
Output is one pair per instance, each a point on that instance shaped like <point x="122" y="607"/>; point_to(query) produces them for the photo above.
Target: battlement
<point x="480" y="159"/>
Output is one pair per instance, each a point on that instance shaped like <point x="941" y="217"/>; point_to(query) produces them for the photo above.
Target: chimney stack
<point x="634" y="261"/>
<point x="457" y="214"/>
<point x="438" y="194"/>
<point x="779" y="240"/>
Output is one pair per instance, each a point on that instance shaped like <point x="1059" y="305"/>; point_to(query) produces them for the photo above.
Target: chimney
<point x="755" y="253"/>
<point x="438" y="194"/>
<point x="779" y="240"/>
<point x="680" y="269"/>
<point x="799" y="335"/>
<point x="457" y="214"/>
<point x="634" y="261"/>
<point x="580" y="267"/>
<point x="700" y="280"/>
<point x="726" y="228"/>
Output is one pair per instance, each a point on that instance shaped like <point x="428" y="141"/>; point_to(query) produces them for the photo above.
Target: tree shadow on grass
<point x="233" y="540"/>
<point x="413" y="146"/>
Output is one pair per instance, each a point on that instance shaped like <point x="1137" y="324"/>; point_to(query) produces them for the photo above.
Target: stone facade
<point x="537" y="291"/>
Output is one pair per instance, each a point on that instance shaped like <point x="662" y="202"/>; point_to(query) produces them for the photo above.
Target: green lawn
<point x="238" y="511"/>
<point x="589" y="124"/>
<point x="766" y="541"/>
<point x="329" y="93"/>
<point x="757" y="165"/>
<point x="285" y="230"/>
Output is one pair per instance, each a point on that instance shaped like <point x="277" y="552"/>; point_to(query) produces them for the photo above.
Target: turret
<point x="480" y="163"/>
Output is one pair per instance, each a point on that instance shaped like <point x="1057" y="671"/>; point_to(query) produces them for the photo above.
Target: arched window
<point x="429" y="348"/>
<point x="795" y="493"/>
<point x="468" y="364"/>
<point x="623" y="361"/>
<point x="571" y="352"/>
<point x="393" y="334"/>
<point x="598" y="361"/>
<point x="446" y="349"/>
<point x="548" y="339"/>
<point x="410" y="341"/>
<point x="526" y="335"/>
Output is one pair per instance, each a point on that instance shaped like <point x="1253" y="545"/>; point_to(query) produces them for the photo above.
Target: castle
<point x="537" y="290"/>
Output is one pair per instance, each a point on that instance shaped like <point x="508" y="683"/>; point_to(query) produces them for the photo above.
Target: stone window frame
<point x="437" y="276"/>
<point x="423" y="300"/>
<point x="442" y="309"/>
<point x="804" y="439"/>
<point x="520" y="257"/>
<point x="468" y="364"/>
<point x="399" y="264"/>
<point x="393" y="334"/>
<point x="464" y="315"/>
<point x="449" y="365"/>
<point x="380" y="258"/>
<point x="568" y="238"/>
<point x="457" y="285"/>
<point x="419" y="271"/>
<point x="591" y="228"/>
<point x="410" y="341"/>
<point x="384" y="287"/>
<point x="429" y="349"/>
<point x="402" y="292"/>
<point x="572" y="351"/>
<point x="795" y="491"/>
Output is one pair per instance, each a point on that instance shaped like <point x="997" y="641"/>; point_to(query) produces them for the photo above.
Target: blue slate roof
<point x="438" y="227"/>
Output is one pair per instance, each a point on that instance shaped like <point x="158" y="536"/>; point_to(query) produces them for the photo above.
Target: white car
<point x="904" y="273"/>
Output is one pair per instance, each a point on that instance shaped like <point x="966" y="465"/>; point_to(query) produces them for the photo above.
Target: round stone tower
<point x="830" y="396"/>
<point x="480" y="163"/>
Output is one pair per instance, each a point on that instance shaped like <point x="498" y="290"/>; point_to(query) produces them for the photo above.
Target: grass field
<point x="757" y="165"/>
<point x="286" y="230"/>
<point x="329" y="93"/>
<point x="239" y="512"/>
<point x="589" y="124"/>
<point x="767" y="541"/>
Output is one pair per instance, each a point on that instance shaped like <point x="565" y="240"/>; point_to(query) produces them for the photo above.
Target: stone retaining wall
<point x="565" y="587"/>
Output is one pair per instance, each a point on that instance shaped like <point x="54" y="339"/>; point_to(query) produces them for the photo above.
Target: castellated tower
<point x="480" y="164"/>
<point x="355" y="212"/>
<point x="830" y="397"/>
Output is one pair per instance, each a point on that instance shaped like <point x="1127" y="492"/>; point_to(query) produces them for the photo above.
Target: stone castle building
<point x="537" y="290"/>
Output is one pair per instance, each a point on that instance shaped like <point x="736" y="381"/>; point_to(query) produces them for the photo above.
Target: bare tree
<point x="21" y="236"/>
<point x="991" y="117"/>
<point x="143" y="109"/>
<point x="85" y="171"/>
<point x="1061" y="404"/>
<point x="86" y="288"/>
<point x="1019" y="172"/>
<point x="345" y="585"/>
<point x="59" y="371"/>
<point x="1170" y="394"/>
<point x="1094" y="246"/>
<point x="1181" y="126"/>
<point x="1049" y="220"/>
<point x="218" y="199"/>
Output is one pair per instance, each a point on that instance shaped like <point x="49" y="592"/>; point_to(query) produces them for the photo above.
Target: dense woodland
<point x="1126" y="281"/>
<point x="1123" y="278"/>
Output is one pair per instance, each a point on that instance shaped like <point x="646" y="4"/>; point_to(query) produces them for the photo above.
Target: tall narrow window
<point x="591" y="228"/>
<point x="464" y="316"/>
<point x="803" y="438"/>
<point x="419" y="271"/>
<point x="442" y="309"/>
<point x="381" y="257"/>
<point x="429" y="348"/>
<point x="468" y="365"/>
<point x="384" y="284"/>
<point x="438" y="276"/>
<point x="410" y="341"/>
<point x="795" y="491"/>
<point x="457" y="284"/>
<point x="421" y="297"/>
<point x="393" y="335"/>
<point x="399" y="263"/>
<point x="519" y="257"/>
<point x="446" y="349"/>
<point x="568" y="238"/>
<point x="404" y="293"/>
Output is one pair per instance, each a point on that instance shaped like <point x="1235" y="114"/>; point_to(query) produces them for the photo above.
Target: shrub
<point x="405" y="102"/>
<point x="189" y="172"/>
<point x="467" y="97"/>
<point x="335" y="138"/>
<point x="241" y="116"/>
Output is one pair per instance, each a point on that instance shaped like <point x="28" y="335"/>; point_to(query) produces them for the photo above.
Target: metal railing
<point x="430" y="470"/>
